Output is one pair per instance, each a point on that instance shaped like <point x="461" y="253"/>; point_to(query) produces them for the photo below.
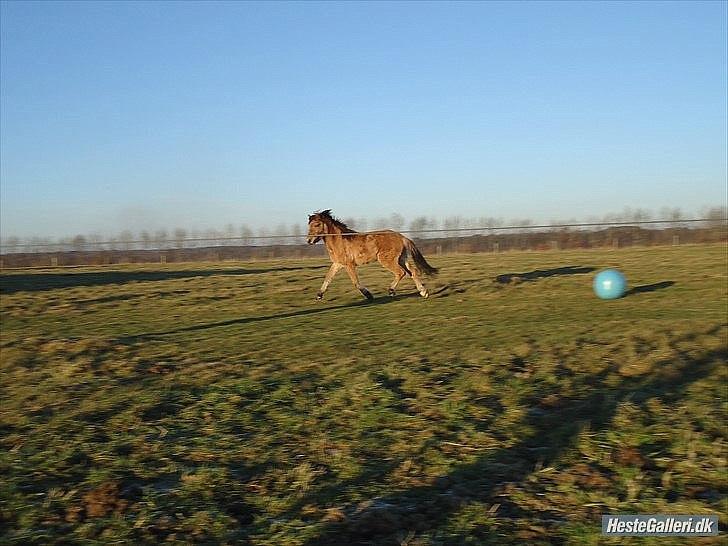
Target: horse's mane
<point x="326" y="215"/>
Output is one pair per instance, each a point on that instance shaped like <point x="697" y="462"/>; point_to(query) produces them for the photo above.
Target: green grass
<point x="219" y="403"/>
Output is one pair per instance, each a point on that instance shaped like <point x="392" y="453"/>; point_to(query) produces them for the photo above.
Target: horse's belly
<point x="361" y="258"/>
<point x="365" y="252"/>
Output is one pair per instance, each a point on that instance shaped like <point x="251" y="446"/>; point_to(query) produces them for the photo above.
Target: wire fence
<point x="295" y="239"/>
<point x="616" y="234"/>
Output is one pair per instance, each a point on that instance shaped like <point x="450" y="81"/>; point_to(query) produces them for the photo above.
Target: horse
<point x="348" y="249"/>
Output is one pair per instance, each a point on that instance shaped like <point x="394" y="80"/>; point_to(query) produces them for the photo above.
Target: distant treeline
<point x="494" y="241"/>
<point x="293" y="234"/>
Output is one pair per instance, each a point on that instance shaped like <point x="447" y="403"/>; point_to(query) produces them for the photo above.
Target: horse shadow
<point x="384" y="300"/>
<point x="463" y="285"/>
<point x="507" y="278"/>
<point x="35" y="282"/>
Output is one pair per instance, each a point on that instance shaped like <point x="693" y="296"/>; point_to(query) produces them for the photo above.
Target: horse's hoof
<point x="425" y="294"/>
<point x="366" y="294"/>
<point x="392" y="292"/>
<point x="319" y="296"/>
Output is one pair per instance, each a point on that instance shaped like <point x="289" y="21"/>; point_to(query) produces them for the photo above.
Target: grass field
<point x="219" y="403"/>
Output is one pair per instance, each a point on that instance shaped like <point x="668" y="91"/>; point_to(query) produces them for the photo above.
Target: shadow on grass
<point x="649" y="288"/>
<point x="34" y="282"/>
<point x="506" y="278"/>
<point x="555" y="430"/>
<point x="246" y="320"/>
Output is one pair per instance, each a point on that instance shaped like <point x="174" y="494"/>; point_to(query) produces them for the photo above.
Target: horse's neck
<point x="336" y="230"/>
<point x="335" y="240"/>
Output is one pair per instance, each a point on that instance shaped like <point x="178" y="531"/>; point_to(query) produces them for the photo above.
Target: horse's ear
<point x="326" y="212"/>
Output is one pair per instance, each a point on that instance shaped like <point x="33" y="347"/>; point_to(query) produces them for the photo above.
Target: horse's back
<point x="365" y="247"/>
<point x="386" y="238"/>
<point x="387" y="243"/>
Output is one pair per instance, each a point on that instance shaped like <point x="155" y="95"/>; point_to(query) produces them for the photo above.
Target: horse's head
<point x="317" y="226"/>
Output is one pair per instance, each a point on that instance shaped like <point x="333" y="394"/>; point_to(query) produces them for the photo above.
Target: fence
<point x="431" y="241"/>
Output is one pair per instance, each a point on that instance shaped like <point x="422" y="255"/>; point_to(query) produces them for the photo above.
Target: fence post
<point x="162" y="258"/>
<point x="54" y="261"/>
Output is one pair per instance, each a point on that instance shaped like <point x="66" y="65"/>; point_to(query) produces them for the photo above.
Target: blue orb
<point x="610" y="284"/>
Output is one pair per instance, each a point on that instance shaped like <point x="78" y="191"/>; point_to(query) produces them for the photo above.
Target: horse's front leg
<point x="333" y="270"/>
<point x="351" y="270"/>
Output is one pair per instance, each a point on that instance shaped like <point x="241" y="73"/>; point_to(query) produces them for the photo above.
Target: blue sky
<point x="147" y="115"/>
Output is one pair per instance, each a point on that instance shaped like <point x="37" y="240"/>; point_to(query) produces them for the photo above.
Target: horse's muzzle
<point x="313" y="240"/>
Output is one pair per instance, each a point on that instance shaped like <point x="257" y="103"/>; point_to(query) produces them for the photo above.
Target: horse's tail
<point x="419" y="259"/>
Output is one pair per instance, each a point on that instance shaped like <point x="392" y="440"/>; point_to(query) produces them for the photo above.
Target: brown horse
<point x="348" y="248"/>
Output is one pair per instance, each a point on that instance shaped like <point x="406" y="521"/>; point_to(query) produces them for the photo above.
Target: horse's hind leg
<point x="351" y="270"/>
<point x="418" y="283"/>
<point x="397" y="277"/>
<point x="397" y="266"/>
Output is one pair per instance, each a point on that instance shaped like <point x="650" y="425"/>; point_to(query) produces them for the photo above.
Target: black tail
<point x="419" y="260"/>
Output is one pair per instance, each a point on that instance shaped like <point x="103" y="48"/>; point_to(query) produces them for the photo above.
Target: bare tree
<point x="418" y="224"/>
<point x="423" y="223"/>
<point x="78" y="242"/>
<point x="179" y="234"/>
<point x="245" y="234"/>
<point x="125" y="238"/>
<point x="41" y="244"/>
<point x="431" y="225"/>
<point x="281" y="229"/>
<point x="11" y="244"/>
<point x="214" y="237"/>
<point x="146" y="239"/>
<point x="192" y="236"/>
<point x="641" y="215"/>
<point x="717" y="216"/>
<point x="95" y="239"/>
<point x="672" y="214"/>
<point x="472" y="225"/>
<point x="229" y="234"/>
<point x="297" y="232"/>
<point x="396" y="221"/>
<point x="520" y="223"/>
<point x="452" y="224"/>
<point x="559" y="222"/>
<point x="361" y="224"/>
<point x="161" y="237"/>
<point x="612" y="217"/>
<point x="628" y="214"/>
<point x="490" y="221"/>
<point x="262" y="232"/>
<point x="381" y="223"/>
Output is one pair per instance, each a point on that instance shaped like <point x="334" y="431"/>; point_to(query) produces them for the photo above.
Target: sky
<point x="149" y="115"/>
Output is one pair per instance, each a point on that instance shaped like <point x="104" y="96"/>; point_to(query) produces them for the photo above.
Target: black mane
<point x="326" y="215"/>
